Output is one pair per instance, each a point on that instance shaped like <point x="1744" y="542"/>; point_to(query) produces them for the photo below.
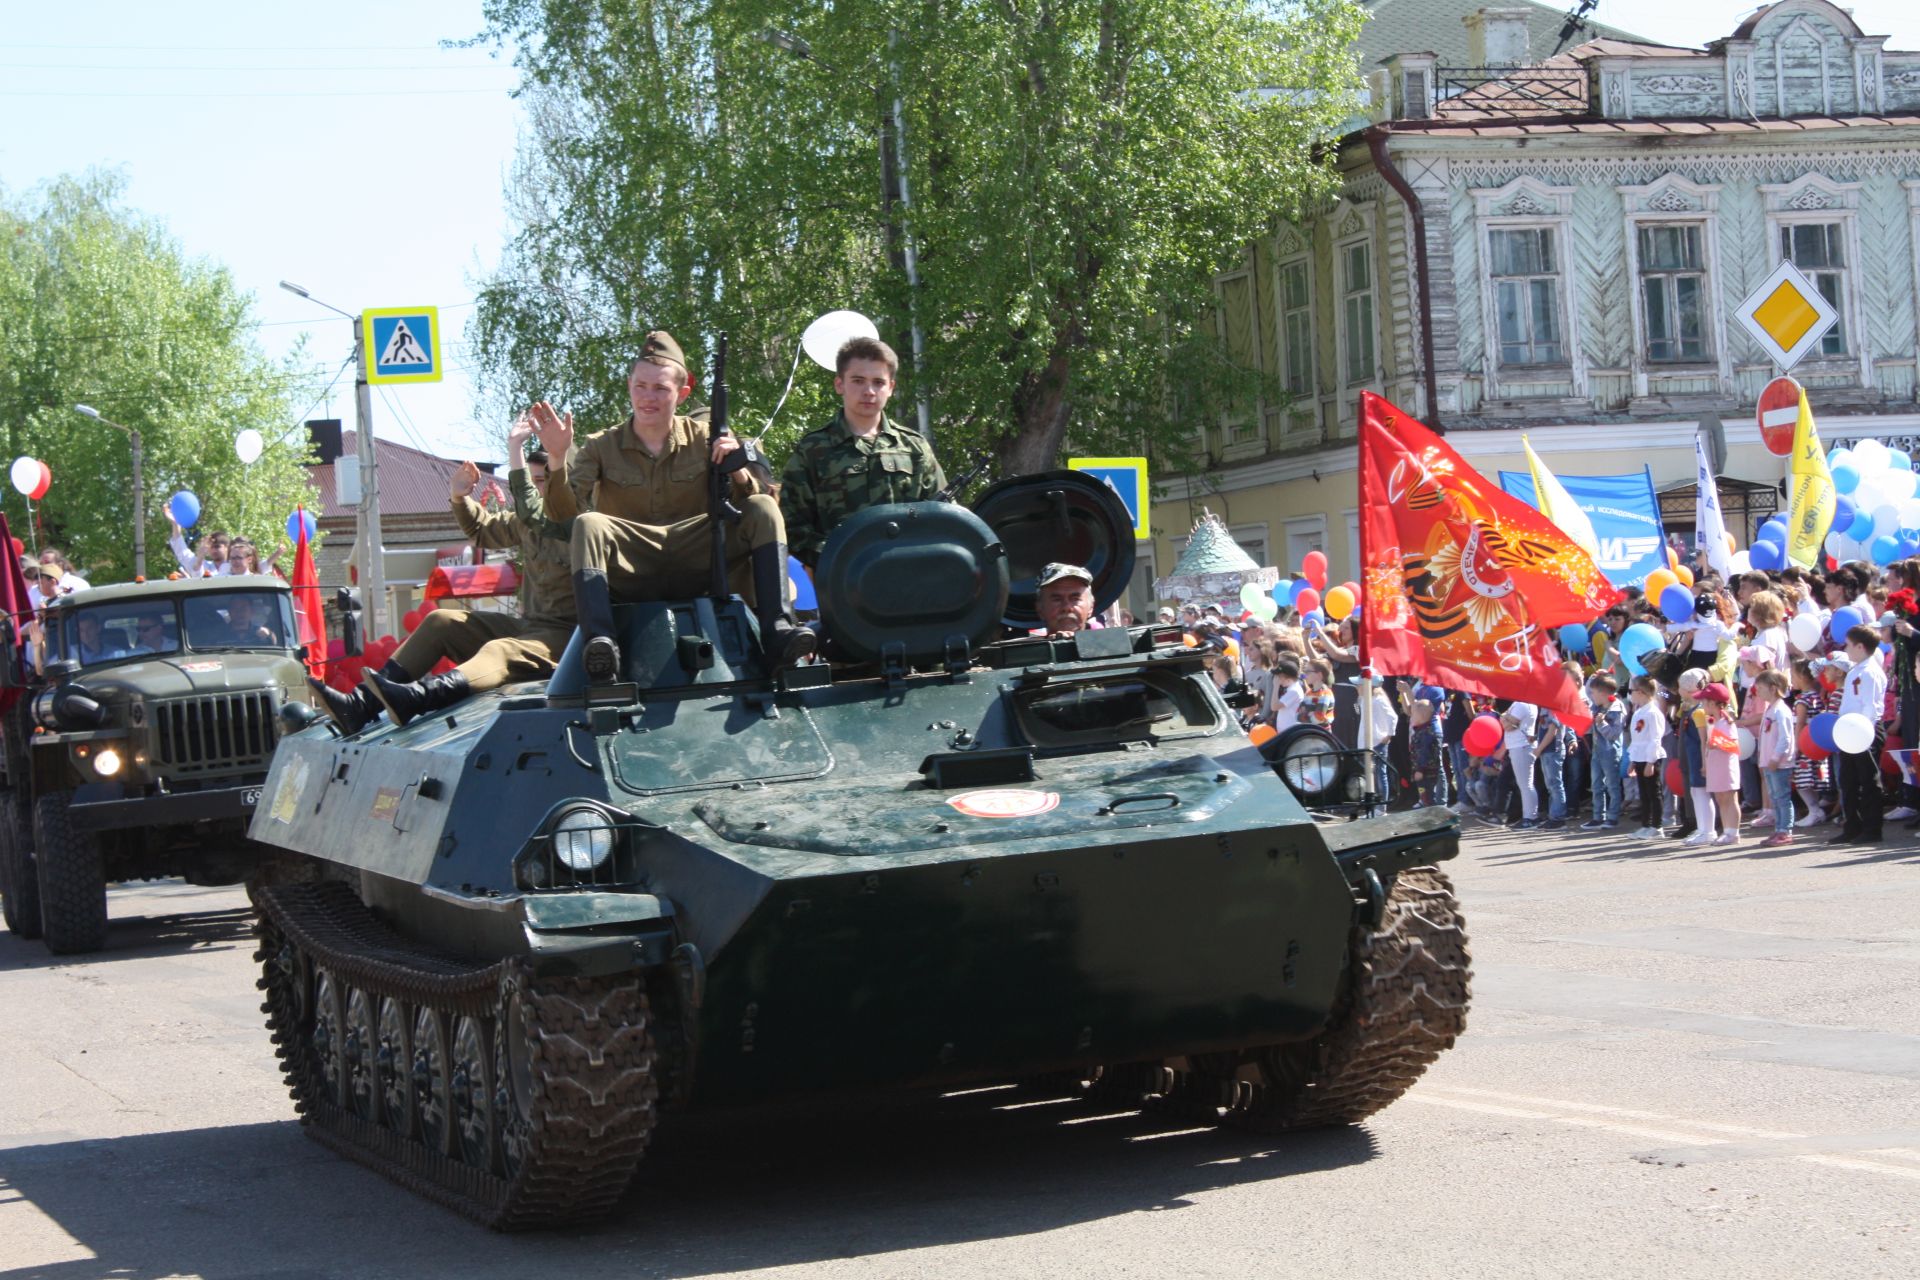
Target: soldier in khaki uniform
<point x="861" y="459"/>
<point x="491" y="649"/>
<point x="636" y="498"/>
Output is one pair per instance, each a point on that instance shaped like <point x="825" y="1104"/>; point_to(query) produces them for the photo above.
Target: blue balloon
<point x="803" y="596"/>
<point x="1676" y="602"/>
<point x="1843" y="513"/>
<point x="1846" y="478"/>
<point x="1767" y="554"/>
<point x="1299" y="585"/>
<point x="1861" y="527"/>
<point x="1820" y="728"/>
<point x="1635" y="643"/>
<point x="1314" y="618"/>
<point x="1574" y="639"/>
<point x="1898" y="460"/>
<point x="1845" y="619"/>
<point x="1778" y="524"/>
<point x="1283" y="593"/>
<point x="1909" y="545"/>
<point x="1884" y="549"/>
<point x="293" y="526"/>
<point x="184" y="508"/>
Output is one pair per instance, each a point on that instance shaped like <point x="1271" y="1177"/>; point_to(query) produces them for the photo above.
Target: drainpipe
<point x="1377" y="145"/>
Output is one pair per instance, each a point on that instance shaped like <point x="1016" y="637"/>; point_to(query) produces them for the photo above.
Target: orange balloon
<point x="1233" y="650"/>
<point x="1261" y="733"/>
<point x="1190" y="641"/>
<point x="1685" y="574"/>
<point x="1659" y="580"/>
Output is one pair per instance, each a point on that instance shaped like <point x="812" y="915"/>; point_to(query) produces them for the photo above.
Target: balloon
<point x="43" y="484"/>
<point x="1574" y="639"/>
<point x="1870" y="456"/>
<point x="1249" y="593"/>
<point x="1861" y="526"/>
<point x="1741" y="562"/>
<point x="1843" y="512"/>
<point x="1804" y="631"/>
<point x="1482" y="737"/>
<point x="293" y="526"/>
<point x="1870" y="493"/>
<point x="1307" y="601"/>
<point x="804" y="598"/>
<point x="1821" y="726"/>
<point x="823" y="338"/>
<point x="1747" y="744"/>
<point x="1766" y="555"/>
<point x="1838" y="456"/>
<point x="1884" y="549"/>
<point x="25" y="474"/>
<point x="1846" y="478"/>
<point x="1844" y="620"/>
<point x="1897" y="460"/>
<point x="249" y="445"/>
<point x="1899" y="486"/>
<point x="1265" y="609"/>
<point x="1683" y="573"/>
<point x="184" y="508"/>
<point x="1300" y="587"/>
<point x="1314" y="565"/>
<point x="1676" y="780"/>
<point x="1779" y="522"/>
<point x="1886" y="520"/>
<point x="1339" y="603"/>
<point x="1354" y="587"/>
<point x="1853" y="733"/>
<point x="1262" y="734"/>
<point x="410" y="620"/>
<point x="1677" y="603"/>
<point x="1809" y="748"/>
<point x="1658" y="581"/>
<point x="1283" y="592"/>
<point x="1314" y="619"/>
<point x="1635" y="643"/>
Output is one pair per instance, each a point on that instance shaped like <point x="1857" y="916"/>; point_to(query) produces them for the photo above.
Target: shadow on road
<point x="730" y="1192"/>
<point x="134" y="936"/>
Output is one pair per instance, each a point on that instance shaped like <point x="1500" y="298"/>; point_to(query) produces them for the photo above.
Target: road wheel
<point x="19" y="880"/>
<point x="73" y="878"/>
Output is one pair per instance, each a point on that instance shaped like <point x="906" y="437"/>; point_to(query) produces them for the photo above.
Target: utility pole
<point x="373" y="577"/>
<point x="139" y="490"/>
<point x="922" y="405"/>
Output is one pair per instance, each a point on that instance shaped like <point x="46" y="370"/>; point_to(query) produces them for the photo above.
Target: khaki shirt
<point x="611" y="473"/>
<point x="546" y="570"/>
<point x="833" y="473"/>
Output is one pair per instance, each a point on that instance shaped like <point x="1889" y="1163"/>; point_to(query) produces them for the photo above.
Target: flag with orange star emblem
<point x="1464" y="585"/>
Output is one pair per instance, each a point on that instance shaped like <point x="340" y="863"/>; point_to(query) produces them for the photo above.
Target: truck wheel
<point x="73" y="878"/>
<point x="19" y="881"/>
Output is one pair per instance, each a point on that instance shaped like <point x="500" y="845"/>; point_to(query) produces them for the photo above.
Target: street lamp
<point x="139" y="493"/>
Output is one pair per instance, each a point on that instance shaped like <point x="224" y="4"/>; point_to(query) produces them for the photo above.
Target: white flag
<point x="1710" y="527"/>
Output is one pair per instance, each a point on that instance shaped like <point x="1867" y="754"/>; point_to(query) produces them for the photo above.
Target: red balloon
<point x="45" y="482"/>
<point x="1314" y="565"/>
<point x="1482" y="737"/>
<point x="410" y="620"/>
<point x="1307" y="601"/>
<point x="1676" y="780"/>
<point x="1809" y="748"/>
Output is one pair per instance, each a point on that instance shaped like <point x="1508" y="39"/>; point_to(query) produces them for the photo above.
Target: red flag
<point x="18" y="607"/>
<point x="1464" y="584"/>
<point x="306" y="603"/>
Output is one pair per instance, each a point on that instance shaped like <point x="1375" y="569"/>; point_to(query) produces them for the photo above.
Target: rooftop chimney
<point x="1498" y="38"/>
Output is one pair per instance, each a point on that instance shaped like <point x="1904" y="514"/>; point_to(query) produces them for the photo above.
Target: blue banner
<point x="1625" y="515"/>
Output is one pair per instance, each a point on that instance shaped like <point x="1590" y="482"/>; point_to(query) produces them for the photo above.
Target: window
<point x="1240" y="330"/>
<point x="1818" y="248"/>
<point x="239" y="620"/>
<point x="106" y="633"/>
<point x="1296" y="328"/>
<point x="1304" y="534"/>
<point x="1673" y="290"/>
<point x="1527" y="296"/>
<point x="1356" y="286"/>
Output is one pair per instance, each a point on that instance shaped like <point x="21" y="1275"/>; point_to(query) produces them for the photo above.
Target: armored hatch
<point x="923" y="582"/>
<point x="1065" y="516"/>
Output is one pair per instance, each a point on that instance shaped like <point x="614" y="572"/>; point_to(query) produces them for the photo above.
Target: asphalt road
<point x="1679" y="1063"/>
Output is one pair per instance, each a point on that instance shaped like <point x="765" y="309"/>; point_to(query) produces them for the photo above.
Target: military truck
<point x="141" y="749"/>
<point x="959" y="853"/>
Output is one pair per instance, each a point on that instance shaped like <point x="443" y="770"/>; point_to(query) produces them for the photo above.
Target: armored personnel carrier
<point x="143" y="753"/>
<point x="959" y="853"/>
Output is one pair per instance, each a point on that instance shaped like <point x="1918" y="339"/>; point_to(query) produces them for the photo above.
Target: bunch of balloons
<point x="1877" y="516"/>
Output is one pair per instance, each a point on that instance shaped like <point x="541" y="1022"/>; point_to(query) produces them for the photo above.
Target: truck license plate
<point x="250" y="797"/>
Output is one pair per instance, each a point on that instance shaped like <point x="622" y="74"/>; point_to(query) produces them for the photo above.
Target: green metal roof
<point x="1437" y="27"/>
<point x="1212" y="549"/>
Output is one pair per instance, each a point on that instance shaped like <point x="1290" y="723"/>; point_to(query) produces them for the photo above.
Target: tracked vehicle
<point x="958" y="853"/>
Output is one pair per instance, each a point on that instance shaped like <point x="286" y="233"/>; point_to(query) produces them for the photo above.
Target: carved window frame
<point x="1350" y="224"/>
<point x="1912" y="187"/>
<point x="1667" y="200"/>
<point x="1815" y="198"/>
<point x="1293" y="246"/>
<point x="1241" y="438"/>
<point x="1527" y="204"/>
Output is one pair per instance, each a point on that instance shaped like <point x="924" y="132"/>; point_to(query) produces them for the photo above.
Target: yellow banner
<point x="1810" y="515"/>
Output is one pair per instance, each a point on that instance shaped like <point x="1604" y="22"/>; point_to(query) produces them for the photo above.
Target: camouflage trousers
<point x="674" y="561"/>
<point x="491" y="649"/>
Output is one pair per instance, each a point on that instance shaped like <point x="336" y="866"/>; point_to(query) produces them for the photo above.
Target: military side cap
<point x="1056" y="571"/>
<point x="660" y="348"/>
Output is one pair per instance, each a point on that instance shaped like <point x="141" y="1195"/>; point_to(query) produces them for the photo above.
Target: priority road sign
<point x="1127" y="477"/>
<point x="1779" y="414"/>
<point x="402" y="344"/>
<point x="1787" y="315"/>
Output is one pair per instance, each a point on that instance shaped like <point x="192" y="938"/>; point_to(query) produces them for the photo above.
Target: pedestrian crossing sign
<point x="402" y="344"/>
<point x="1127" y="477"/>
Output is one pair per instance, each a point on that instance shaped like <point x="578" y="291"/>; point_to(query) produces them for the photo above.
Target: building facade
<point x="1557" y="248"/>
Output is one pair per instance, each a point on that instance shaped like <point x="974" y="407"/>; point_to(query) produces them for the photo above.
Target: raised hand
<point x="465" y="476"/>
<point x="554" y="428"/>
<point x="517" y="440"/>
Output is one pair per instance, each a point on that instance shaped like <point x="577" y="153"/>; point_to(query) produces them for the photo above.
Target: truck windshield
<point x="110" y="632"/>
<point x="238" y="620"/>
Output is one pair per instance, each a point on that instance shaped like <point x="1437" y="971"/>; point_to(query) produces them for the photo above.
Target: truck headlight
<point x="583" y="840"/>
<point x="107" y="762"/>
<point x="1310" y="760"/>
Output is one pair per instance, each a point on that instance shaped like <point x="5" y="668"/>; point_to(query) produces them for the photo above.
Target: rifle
<point x="720" y="508"/>
<point x="982" y="463"/>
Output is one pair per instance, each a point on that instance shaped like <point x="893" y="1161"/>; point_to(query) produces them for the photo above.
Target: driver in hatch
<point x="1066" y="599"/>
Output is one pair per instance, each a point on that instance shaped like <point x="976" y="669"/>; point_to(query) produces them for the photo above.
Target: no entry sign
<point x="1779" y="413"/>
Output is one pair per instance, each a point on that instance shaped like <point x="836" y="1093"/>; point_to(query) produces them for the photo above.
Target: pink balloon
<point x="1314" y="565"/>
<point x="1307" y="601"/>
<point x="1482" y="737"/>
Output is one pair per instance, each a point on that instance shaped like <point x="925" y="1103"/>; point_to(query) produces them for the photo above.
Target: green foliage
<point x="100" y="306"/>
<point x="1079" y="171"/>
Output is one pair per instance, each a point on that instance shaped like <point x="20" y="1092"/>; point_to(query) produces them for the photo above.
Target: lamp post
<point x="373" y="567"/>
<point x="139" y="491"/>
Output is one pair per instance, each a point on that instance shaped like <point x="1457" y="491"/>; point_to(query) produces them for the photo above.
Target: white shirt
<point x="1385" y="718"/>
<point x="1707" y="632"/>
<point x="1774" y="641"/>
<point x="69" y="583"/>
<point x="1777" y="748"/>
<point x="192" y="565"/>
<point x="1864" y="690"/>
<point x="1524" y="714"/>
<point x="1288" y="703"/>
<point x="1646" y="731"/>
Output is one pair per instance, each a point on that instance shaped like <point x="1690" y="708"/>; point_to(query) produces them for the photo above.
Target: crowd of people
<point x="1728" y="728"/>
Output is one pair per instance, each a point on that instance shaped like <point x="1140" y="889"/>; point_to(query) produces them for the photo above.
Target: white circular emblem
<point x="1011" y="803"/>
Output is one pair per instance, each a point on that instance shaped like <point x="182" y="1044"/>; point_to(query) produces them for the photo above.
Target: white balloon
<point x="1886" y="520"/>
<point x="248" y="445"/>
<point x="824" y="337"/>
<point x="1804" y="631"/>
<point x="1910" y="512"/>
<point x="1897" y="485"/>
<point x="1853" y="733"/>
<point x="25" y="475"/>
<point x="1747" y="744"/>
<point x="1870" y="456"/>
<point x="1843" y="458"/>
<point x="1869" y="494"/>
<point x="1742" y="561"/>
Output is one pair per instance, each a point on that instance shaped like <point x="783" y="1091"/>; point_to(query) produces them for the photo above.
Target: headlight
<point x="107" y="762"/>
<point x="583" y="839"/>
<point x="1308" y="759"/>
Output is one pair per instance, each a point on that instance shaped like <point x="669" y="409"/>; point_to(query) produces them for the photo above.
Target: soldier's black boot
<point x="350" y="711"/>
<point x="783" y="643"/>
<point x="593" y="604"/>
<point x="406" y="700"/>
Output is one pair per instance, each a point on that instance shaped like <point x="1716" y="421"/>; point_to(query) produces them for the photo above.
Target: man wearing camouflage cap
<point x="635" y="500"/>
<point x="860" y="459"/>
<point x="1065" y="599"/>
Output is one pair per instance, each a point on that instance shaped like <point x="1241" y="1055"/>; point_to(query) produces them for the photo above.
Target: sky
<point x="340" y="146"/>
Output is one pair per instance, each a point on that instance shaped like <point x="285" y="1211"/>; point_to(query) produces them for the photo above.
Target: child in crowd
<point x="1550" y="750"/>
<point x="1863" y="692"/>
<point x="1386" y="721"/>
<point x="1710" y="626"/>
<point x="1423" y="750"/>
<point x="1720" y="760"/>
<point x="1316" y="693"/>
<point x="1775" y="752"/>
<point x="1753" y="660"/>
<point x="1606" y="750"/>
<point x="1646" y="751"/>
<point x="1286" y="690"/>
<point x="1519" y="721"/>
<point x="1811" y="777"/>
